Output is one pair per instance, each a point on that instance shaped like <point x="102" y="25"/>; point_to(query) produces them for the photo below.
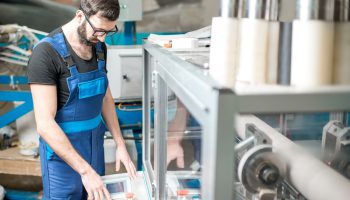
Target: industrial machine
<point x="265" y="162"/>
<point x="204" y="140"/>
<point x="336" y="146"/>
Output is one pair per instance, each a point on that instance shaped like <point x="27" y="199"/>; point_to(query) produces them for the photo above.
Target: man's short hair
<point x="108" y="8"/>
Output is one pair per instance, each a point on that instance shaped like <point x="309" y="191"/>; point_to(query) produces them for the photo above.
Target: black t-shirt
<point x="47" y="67"/>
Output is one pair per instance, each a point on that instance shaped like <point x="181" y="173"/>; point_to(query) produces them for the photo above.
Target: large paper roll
<point x="312" y="53"/>
<point x="272" y="52"/>
<point x="27" y="134"/>
<point x="252" y="51"/>
<point x="222" y="61"/>
<point x="342" y="53"/>
<point x="26" y="129"/>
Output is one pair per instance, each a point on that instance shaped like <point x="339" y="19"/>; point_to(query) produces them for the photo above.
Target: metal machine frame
<point x="11" y="96"/>
<point x="206" y="101"/>
<point x="215" y="108"/>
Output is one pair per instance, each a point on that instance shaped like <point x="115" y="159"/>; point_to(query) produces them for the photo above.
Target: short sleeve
<point x="42" y="68"/>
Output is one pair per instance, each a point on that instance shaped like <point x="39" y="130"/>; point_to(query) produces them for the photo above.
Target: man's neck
<point x="72" y="37"/>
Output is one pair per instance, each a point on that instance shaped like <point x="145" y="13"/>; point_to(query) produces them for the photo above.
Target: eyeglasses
<point x="99" y="32"/>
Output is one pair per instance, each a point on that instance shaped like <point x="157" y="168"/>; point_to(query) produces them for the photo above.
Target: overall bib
<point x="80" y="119"/>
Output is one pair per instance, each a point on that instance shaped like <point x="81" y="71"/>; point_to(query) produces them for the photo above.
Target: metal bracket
<point x="154" y="79"/>
<point x="260" y="136"/>
<point x="19" y="111"/>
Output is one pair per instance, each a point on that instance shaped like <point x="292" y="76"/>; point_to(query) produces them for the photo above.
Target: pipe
<point x="227" y="8"/>
<point x="315" y="10"/>
<point x="273" y="10"/>
<point x="284" y="57"/>
<point x="7" y="37"/>
<point x="253" y="9"/>
<point x="244" y="144"/>
<point x="314" y="179"/>
<point x="259" y="9"/>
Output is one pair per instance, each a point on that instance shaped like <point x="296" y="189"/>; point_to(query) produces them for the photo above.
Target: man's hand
<point x="123" y="156"/>
<point x="94" y="185"/>
<point x="175" y="151"/>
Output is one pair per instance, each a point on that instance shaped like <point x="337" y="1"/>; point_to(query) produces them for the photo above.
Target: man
<point x="70" y="92"/>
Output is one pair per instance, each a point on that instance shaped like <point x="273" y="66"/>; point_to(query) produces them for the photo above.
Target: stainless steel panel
<point x="124" y="65"/>
<point x="130" y="10"/>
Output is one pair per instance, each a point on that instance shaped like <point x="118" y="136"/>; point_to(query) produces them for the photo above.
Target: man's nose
<point x="102" y="38"/>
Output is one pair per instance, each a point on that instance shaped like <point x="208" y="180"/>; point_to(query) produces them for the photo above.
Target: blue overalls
<point x="80" y="119"/>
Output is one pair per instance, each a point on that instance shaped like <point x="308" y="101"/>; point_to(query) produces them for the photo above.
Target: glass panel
<point x="304" y="129"/>
<point x="298" y="126"/>
<point x="183" y="151"/>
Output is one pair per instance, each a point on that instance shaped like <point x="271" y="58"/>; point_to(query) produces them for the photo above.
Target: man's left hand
<point x="122" y="155"/>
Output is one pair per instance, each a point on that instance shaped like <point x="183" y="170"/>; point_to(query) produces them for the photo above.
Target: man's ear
<point x="79" y="15"/>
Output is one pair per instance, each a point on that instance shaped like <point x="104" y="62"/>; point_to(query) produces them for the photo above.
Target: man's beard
<point x="82" y="35"/>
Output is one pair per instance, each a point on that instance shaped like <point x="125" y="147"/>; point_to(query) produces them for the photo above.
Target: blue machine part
<point x="130" y="115"/>
<point x="13" y="80"/>
<point x="127" y="39"/>
<point x="138" y="144"/>
<point x="122" y="39"/>
<point x="19" y="111"/>
<point x="129" y="32"/>
<point x="21" y="195"/>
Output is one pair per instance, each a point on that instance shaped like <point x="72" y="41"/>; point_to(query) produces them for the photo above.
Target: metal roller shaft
<point x="227" y="8"/>
<point x="259" y="9"/>
<point x="315" y="10"/>
<point x="314" y="179"/>
<point x="342" y="11"/>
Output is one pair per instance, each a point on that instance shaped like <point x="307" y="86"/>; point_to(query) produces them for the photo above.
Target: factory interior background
<point x="230" y="99"/>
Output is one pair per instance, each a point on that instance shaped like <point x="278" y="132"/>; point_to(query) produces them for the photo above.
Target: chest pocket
<point x="92" y="88"/>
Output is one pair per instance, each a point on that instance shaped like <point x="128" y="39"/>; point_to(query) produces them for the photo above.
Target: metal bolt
<point x="269" y="174"/>
<point x="125" y="77"/>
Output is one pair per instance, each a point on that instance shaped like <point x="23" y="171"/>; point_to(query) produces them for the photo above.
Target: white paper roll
<point x="26" y="129"/>
<point x="342" y="53"/>
<point x="272" y="52"/>
<point x="312" y="53"/>
<point x="222" y="61"/>
<point x="252" y="51"/>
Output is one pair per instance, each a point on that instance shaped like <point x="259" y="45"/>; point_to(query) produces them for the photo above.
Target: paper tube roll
<point x="252" y="51"/>
<point x="26" y="129"/>
<point x="342" y="53"/>
<point x="109" y="150"/>
<point x="223" y="45"/>
<point x="312" y="53"/>
<point x="272" y="52"/>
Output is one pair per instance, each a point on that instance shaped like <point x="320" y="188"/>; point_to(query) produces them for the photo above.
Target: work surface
<point x="12" y="162"/>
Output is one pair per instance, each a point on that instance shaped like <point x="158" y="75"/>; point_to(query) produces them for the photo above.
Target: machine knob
<point x="125" y="77"/>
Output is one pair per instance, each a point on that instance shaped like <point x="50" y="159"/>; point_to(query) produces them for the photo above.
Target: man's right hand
<point x="94" y="186"/>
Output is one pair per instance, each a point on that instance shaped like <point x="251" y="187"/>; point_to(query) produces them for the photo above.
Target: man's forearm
<point x="110" y="116"/>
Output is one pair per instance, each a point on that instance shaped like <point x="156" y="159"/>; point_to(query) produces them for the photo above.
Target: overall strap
<point x="100" y="56"/>
<point x="59" y="44"/>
